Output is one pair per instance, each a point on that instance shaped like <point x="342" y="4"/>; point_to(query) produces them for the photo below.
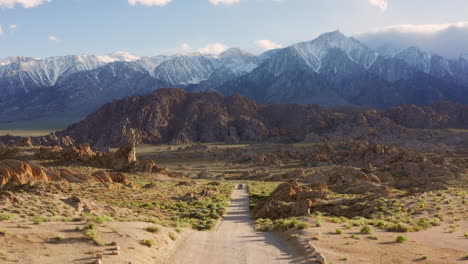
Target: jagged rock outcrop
<point x="439" y="115"/>
<point x="400" y="167"/>
<point x="176" y="116"/>
<point x="290" y="199"/>
<point x="124" y="159"/>
<point x="347" y="179"/>
<point x="25" y="142"/>
<point x="14" y="174"/>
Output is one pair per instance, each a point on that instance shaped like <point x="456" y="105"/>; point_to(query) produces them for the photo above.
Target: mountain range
<point x="331" y="70"/>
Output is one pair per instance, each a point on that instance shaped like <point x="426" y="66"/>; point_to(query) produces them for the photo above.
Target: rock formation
<point x="176" y="116"/>
<point x="14" y="174"/>
<point x="124" y="159"/>
<point x="290" y="199"/>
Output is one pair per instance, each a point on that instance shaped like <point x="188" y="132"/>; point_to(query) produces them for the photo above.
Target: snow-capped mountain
<point x="314" y="51"/>
<point x="338" y="70"/>
<point x="417" y="58"/>
<point x="332" y="69"/>
<point x="46" y="72"/>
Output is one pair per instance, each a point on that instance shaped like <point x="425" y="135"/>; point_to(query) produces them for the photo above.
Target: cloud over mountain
<point x="266" y="44"/>
<point x="448" y="40"/>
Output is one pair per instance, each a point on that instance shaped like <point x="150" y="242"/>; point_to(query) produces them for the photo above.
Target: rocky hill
<point x="172" y="115"/>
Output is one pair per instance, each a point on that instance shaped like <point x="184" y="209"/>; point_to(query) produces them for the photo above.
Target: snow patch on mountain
<point x="314" y="51"/>
<point x="416" y="57"/>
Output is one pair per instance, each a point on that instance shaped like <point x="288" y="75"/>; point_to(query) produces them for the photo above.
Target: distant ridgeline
<point x="331" y="70"/>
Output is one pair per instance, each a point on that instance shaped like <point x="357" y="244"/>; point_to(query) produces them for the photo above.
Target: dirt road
<point x="235" y="241"/>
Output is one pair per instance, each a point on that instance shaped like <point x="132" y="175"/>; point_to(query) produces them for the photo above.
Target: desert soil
<point x="433" y="246"/>
<point x="38" y="244"/>
<point x="236" y="241"/>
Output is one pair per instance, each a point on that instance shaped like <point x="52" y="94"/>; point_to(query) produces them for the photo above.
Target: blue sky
<point x="42" y="28"/>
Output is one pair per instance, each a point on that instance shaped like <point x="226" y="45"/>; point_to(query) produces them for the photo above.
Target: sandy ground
<point x="437" y="244"/>
<point x="25" y="133"/>
<point x="37" y="244"/>
<point x="236" y="241"/>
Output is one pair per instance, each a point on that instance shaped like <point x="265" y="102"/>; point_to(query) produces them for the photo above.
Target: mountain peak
<point x="234" y="52"/>
<point x="332" y="35"/>
<point x="314" y="51"/>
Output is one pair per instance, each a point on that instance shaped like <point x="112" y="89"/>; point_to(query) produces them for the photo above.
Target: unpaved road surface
<point x="235" y="241"/>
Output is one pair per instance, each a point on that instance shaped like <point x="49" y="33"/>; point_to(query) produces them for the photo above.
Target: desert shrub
<point x="148" y="242"/>
<point x="279" y="225"/>
<point x="401" y="239"/>
<point x="399" y="227"/>
<point x="302" y="225"/>
<point x="6" y="217"/>
<point x="204" y="224"/>
<point x="100" y="219"/>
<point x="381" y="224"/>
<point x="4" y="233"/>
<point x="152" y="229"/>
<point x="37" y="220"/>
<point x="91" y="232"/>
<point x="366" y="230"/>
<point x="263" y="225"/>
<point x="172" y="236"/>
<point x="339" y="231"/>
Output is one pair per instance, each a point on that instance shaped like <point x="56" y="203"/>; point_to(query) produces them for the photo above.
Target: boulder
<point x="290" y="199"/>
<point x="321" y="258"/>
<point x="25" y="142"/>
<point x="123" y="157"/>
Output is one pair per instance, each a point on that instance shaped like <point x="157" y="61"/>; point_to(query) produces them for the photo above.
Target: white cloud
<point x="448" y="40"/>
<point x="24" y="3"/>
<point x="1" y="31"/>
<point x="423" y="29"/>
<point x="54" y="39"/>
<point x="213" y="48"/>
<point x="13" y="27"/>
<point x="266" y="44"/>
<point x="224" y="2"/>
<point x="381" y="4"/>
<point x="149" y="2"/>
<point x="185" y="47"/>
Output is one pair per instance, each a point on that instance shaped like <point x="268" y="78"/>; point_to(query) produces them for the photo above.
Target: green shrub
<point x="6" y="217"/>
<point x="399" y="227"/>
<point x="339" y="231"/>
<point x="172" y="236"/>
<point x="91" y="234"/>
<point x="302" y="225"/>
<point x="148" y="242"/>
<point x="366" y="230"/>
<point x="37" y="220"/>
<point x="401" y="239"/>
<point x="152" y="229"/>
